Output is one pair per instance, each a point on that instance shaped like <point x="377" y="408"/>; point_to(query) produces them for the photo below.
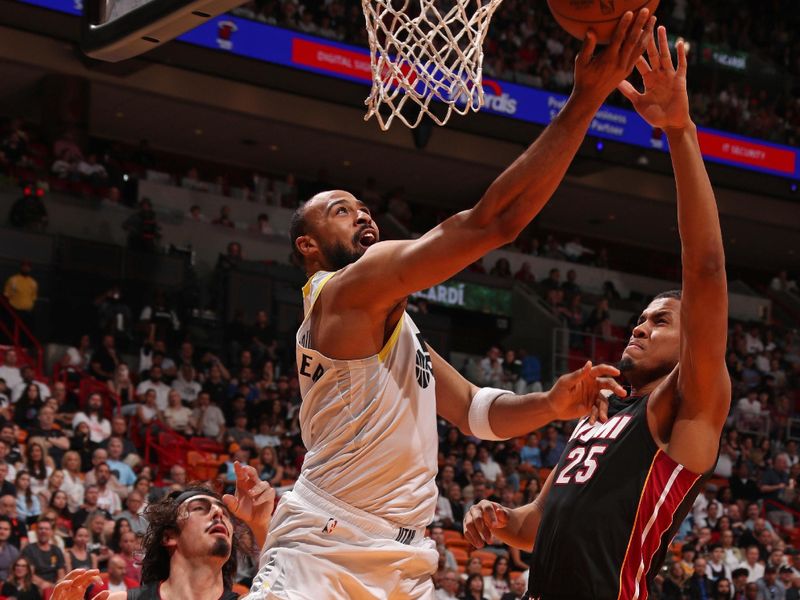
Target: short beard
<point x="338" y="257"/>
<point x="625" y="364"/>
<point x="221" y="548"/>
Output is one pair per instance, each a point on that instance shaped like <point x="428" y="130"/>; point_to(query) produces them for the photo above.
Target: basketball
<point x="578" y="16"/>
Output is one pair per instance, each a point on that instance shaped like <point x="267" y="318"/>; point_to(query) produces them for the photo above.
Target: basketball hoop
<point x="425" y="50"/>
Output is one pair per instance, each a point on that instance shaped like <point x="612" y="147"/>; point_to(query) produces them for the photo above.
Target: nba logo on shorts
<point x="330" y="526"/>
<point x="225" y="29"/>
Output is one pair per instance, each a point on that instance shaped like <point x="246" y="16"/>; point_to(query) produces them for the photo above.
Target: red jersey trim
<point x="664" y="490"/>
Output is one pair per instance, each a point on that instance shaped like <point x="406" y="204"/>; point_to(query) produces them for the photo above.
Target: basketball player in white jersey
<point x="353" y="526"/>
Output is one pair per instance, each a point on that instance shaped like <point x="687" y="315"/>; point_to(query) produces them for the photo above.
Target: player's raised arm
<point x="703" y="386"/>
<point x="393" y="270"/>
<point x="508" y="415"/>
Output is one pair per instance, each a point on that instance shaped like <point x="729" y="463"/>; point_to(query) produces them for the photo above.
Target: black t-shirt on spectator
<point x="106" y="361"/>
<point x="46" y="563"/>
<point x="744" y="490"/>
<point x="19" y="532"/>
<point x="9" y="591"/>
<point x="49" y="434"/>
<point x="7" y="488"/>
<point x="217" y="391"/>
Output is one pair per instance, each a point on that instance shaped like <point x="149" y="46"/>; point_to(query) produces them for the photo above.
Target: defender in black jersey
<point x="608" y="511"/>
<point x="190" y="545"/>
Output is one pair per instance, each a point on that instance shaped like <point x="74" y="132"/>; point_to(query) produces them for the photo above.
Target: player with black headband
<point x="190" y="545"/>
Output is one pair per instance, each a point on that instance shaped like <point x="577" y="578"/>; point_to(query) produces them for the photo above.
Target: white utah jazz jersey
<point x="370" y="424"/>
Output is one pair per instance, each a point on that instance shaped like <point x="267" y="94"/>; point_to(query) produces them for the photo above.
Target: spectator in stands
<point x="776" y="486"/>
<point x="519" y="585"/>
<point x="99" y="426"/>
<point x="552" y="282"/>
<point x="207" y="418"/>
<point x="8" y="551"/>
<point x="487" y="465"/>
<point x="598" y="322"/>
<point x="118" y="581"/>
<point x="29" y="211"/>
<point x="46" y="559"/>
<point x="133" y="512"/>
<point x="769" y="586"/>
<point x="73" y="479"/>
<point x="570" y="286"/>
<point x="154" y="382"/>
<point x="19" y="531"/>
<point x="755" y="569"/>
<point x="28" y="505"/>
<point x="20" y="583"/>
<point x="186" y="383"/>
<point x="552" y="447"/>
<point x="121" y="470"/>
<point x="262" y="225"/>
<point x="491" y="368"/>
<point x="107" y="499"/>
<point x="782" y="283"/>
<point x="57" y="442"/>
<point x="105" y="359"/>
<point x="499" y="582"/>
<point x="192" y="181"/>
<point x="128" y="546"/>
<point x="22" y="290"/>
<point x="28" y="404"/>
<point x="699" y="586"/>
<point x="524" y="274"/>
<point x="143" y="228"/>
<point x="224" y="217"/>
<point x="9" y="371"/>
<point x="79" y="556"/>
<point x="92" y="172"/>
<point x="502" y="268"/>
<point x="449" y="583"/>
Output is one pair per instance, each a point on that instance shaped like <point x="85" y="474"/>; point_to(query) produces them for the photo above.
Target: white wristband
<point x="479" y="413"/>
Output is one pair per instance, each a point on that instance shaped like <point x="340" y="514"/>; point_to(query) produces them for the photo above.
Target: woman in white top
<point x="39" y="466"/>
<point x="147" y="411"/>
<point x="499" y="582"/>
<point x="121" y="384"/>
<point x="73" y="479"/>
<point x="176" y="415"/>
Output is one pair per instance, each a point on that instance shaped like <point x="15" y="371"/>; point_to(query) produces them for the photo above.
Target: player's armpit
<point x="453" y="393"/>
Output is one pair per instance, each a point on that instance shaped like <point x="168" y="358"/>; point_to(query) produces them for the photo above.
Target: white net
<point x="422" y="51"/>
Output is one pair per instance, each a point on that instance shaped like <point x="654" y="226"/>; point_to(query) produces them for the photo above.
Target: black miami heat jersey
<point x="616" y="502"/>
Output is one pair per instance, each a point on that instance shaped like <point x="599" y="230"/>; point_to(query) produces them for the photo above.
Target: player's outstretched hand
<point x="584" y="392"/>
<point x="665" y="102"/>
<point x="75" y="584"/>
<point x="599" y="75"/>
<point x="481" y="520"/>
<point x="252" y="501"/>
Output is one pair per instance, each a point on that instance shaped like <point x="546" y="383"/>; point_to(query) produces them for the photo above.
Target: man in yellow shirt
<point x="21" y="291"/>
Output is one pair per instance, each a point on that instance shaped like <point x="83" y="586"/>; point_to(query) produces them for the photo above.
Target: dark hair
<point x="674" y="294"/>
<point x="507" y="576"/>
<point x="297" y="227"/>
<point x="163" y="519"/>
<point x="116" y="536"/>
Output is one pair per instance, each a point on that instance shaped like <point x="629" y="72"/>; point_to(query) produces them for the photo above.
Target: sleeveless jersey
<point x="151" y="591"/>
<point x="616" y="502"/>
<point x="369" y="425"/>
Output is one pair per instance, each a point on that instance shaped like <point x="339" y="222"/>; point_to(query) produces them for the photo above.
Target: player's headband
<point x="192" y="494"/>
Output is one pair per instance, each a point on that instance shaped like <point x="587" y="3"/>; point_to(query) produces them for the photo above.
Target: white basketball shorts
<point x="319" y="548"/>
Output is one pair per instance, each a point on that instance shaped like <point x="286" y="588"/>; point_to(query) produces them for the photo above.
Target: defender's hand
<point x="481" y="520"/>
<point x="75" y="584"/>
<point x="253" y="500"/>
<point x="599" y="75"/>
<point x="665" y="102"/>
<point x="580" y="393"/>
